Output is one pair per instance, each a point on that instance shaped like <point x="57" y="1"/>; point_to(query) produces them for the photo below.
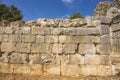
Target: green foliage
<point x="76" y="15"/>
<point x="10" y="13"/>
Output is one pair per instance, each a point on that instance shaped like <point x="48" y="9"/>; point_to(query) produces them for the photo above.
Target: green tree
<point x="76" y="15"/>
<point x="10" y="13"/>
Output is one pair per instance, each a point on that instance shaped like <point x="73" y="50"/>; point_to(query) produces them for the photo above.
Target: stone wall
<point x="115" y="43"/>
<point x="79" y="47"/>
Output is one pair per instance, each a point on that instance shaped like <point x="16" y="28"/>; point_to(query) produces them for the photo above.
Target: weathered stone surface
<point x="28" y="38"/>
<point x="70" y="70"/>
<point x="115" y="59"/>
<point x="66" y="39"/>
<point x="4" y="38"/>
<point x="20" y="69"/>
<point x="92" y="60"/>
<point x="8" y="30"/>
<point x="36" y="69"/>
<point x="49" y="48"/>
<point x="1" y="30"/>
<point x="55" y="70"/>
<point x="97" y="60"/>
<point x="7" y="47"/>
<point x="77" y="59"/>
<point x="37" y="30"/>
<point x="115" y="27"/>
<point x="103" y="49"/>
<point x="57" y="48"/>
<point x="26" y="30"/>
<point x="16" y="58"/>
<point x="105" y="39"/>
<point x="34" y="59"/>
<point x="69" y="48"/>
<point x="38" y="48"/>
<point x="91" y="23"/>
<point x="84" y="39"/>
<point x="86" y="49"/>
<point x="103" y="19"/>
<point x="93" y="31"/>
<point x="105" y="29"/>
<point x="40" y="39"/>
<point x="23" y="47"/>
<point x="15" y="38"/>
<point x="51" y="39"/>
<point x="88" y="70"/>
<point x="56" y="31"/>
<point x="104" y="70"/>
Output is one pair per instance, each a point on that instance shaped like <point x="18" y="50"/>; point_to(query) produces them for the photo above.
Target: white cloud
<point x="67" y="1"/>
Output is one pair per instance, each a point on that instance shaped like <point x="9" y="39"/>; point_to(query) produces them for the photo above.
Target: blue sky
<point x="34" y="9"/>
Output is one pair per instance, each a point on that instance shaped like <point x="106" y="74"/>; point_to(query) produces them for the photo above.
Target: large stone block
<point x="26" y="30"/>
<point x="75" y="31"/>
<point x="8" y="30"/>
<point x="23" y="47"/>
<point x="66" y="39"/>
<point x="34" y="59"/>
<point x="92" y="60"/>
<point x="51" y="39"/>
<point x="57" y="48"/>
<point x="37" y="30"/>
<point x="89" y="70"/>
<point x="84" y="39"/>
<point x="28" y="38"/>
<point x="105" y="29"/>
<point x="103" y="49"/>
<point x="36" y="69"/>
<point x="69" y="48"/>
<point x="105" y="39"/>
<point x="93" y="31"/>
<point x="87" y="49"/>
<point x="1" y="30"/>
<point x="38" y="48"/>
<point x="53" y="70"/>
<point x="40" y="39"/>
<point x="47" y="31"/>
<point x="115" y="59"/>
<point x="70" y="70"/>
<point x="7" y="47"/>
<point x="5" y="38"/>
<point x="49" y="48"/>
<point x="15" y="38"/>
<point x="20" y="69"/>
<point x="97" y="60"/>
<point x="104" y="70"/>
<point x="17" y="58"/>
<point x="77" y="59"/>
<point x="103" y="19"/>
<point x="115" y="27"/>
<point x="56" y="31"/>
<point x="18" y="31"/>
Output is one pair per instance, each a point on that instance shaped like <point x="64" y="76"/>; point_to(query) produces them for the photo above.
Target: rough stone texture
<point x="77" y="59"/>
<point x="66" y="39"/>
<point x="28" y="38"/>
<point x="37" y="30"/>
<point x="57" y="48"/>
<point x="103" y="49"/>
<point x="70" y="70"/>
<point x="23" y="47"/>
<point x="77" y="47"/>
<point x="7" y="47"/>
<point x="51" y="39"/>
<point x="86" y="49"/>
<point x="69" y="48"/>
<point x="37" y="48"/>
